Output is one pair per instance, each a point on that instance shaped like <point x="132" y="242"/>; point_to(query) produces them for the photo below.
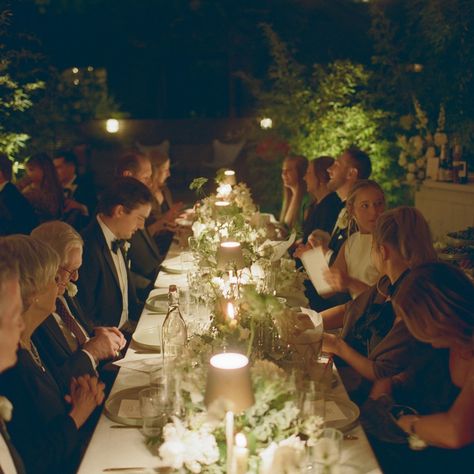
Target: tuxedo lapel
<point x="105" y="251"/>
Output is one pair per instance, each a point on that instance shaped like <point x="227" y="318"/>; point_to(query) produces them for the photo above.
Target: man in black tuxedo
<point x="106" y="292"/>
<point x="144" y="254"/>
<point x="67" y="341"/>
<point x="79" y="191"/>
<point x="11" y="326"/>
<point x="16" y="213"/>
<point x="351" y="166"/>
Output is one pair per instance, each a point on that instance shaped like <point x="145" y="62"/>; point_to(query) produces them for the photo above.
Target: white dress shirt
<point x="120" y="266"/>
<point x="6" y="461"/>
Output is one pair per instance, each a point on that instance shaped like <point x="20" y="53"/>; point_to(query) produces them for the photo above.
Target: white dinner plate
<point x="176" y="265"/>
<point x="112" y="406"/>
<point x="148" y="338"/>
<point x="349" y="409"/>
<point x="157" y="303"/>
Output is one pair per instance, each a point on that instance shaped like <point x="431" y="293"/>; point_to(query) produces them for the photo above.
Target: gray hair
<point x="60" y="236"/>
<point x="37" y="263"/>
<point x="8" y="271"/>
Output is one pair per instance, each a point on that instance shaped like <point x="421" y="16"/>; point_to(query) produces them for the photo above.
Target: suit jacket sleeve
<point x="88" y="283"/>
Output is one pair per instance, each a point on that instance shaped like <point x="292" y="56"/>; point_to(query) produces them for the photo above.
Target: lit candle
<point x="241" y="454"/>
<point x="224" y="190"/>
<point x="231" y="314"/>
<point x="229" y="177"/>
<point x="229" y="436"/>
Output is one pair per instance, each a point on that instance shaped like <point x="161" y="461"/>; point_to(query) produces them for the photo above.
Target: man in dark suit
<point x="144" y="254"/>
<point x="67" y="341"/>
<point x="106" y="292"/>
<point x="351" y="166"/>
<point x="16" y="214"/>
<point x="79" y="191"/>
<point x="11" y="326"/>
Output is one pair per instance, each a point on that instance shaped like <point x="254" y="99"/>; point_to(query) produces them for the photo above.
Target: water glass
<point x="312" y="401"/>
<point x="154" y="407"/>
<point x="328" y="448"/>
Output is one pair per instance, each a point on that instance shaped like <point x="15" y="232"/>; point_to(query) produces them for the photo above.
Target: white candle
<point x="229" y="436"/>
<point x="230" y="311"/>
<point x="241" y="454"/>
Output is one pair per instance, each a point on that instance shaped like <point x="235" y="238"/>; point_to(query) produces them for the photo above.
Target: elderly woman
<point x="66" y="340"/>
<point x="46" y="425"/>
<point x="11" y="326"/>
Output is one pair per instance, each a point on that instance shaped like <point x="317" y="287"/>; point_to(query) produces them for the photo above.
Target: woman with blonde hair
<point x="45" y="429"/>
<point x="374" y="342"/>
<point x="294" y="191"/>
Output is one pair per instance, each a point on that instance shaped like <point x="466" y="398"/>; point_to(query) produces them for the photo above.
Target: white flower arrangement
<point x="417" y="149"/>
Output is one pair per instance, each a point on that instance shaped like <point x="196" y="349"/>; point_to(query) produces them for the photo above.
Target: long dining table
<point x="114" y="449"/>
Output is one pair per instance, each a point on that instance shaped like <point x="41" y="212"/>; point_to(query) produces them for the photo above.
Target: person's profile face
<point x="311" y="180"/>
<point x="144" y="173"/>
<point x="35" y="173"/>
<point x="339" y="172"/>
<point x="162" y="173"/>
<point x="65" y="170"/>
<point x="69" y="269"/>
<point x="128" y="222"/>
<point x="369" y="203"/>
<point x="289" y="173"/>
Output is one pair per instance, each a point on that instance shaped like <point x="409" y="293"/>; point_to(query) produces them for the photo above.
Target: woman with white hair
<point x="46" y="425"/>
<point x="11" y="326"/>
<point x="66" y="340"/>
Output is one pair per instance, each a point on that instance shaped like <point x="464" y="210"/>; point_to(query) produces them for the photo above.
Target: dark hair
<point x="50" y="181"/>
<point x="68" y="156"/>
<point x="360" y="161"/>
<point x="127" y="192"/>
<point x="320" y="167"/>
<point x="130" y="162"/>
<point x="6" y="166"/>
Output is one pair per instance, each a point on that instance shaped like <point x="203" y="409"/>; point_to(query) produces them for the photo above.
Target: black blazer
<point x="145" y="260"/>
<point x="17" y="216"/>
<point x="99" y="289"/>
<point x="85" y="193"/>
<point x="41" y="430"/>
<point x="58" y="356"/>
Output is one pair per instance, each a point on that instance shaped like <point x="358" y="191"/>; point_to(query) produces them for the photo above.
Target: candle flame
<point x="240" y="440"/>
<point x="230" y="311"/>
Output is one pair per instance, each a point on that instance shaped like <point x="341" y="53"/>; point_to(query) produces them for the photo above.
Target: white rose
<point x="71" y="289"/>
<point x="6" y="409"/>
<point x="440" y="139"/>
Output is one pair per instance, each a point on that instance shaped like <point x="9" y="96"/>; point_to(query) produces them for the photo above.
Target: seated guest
<point x="161" y="223"/>
<point x="46" y="426"/>
<point x="11" y="326"/>
<point x="374" y="342"/>
<point x="436" y="302"/>
<point x="351" y="166"/>
<point x="323" y="211"/>
<point x="43" y="189"/>
<point x="144" y="254"/>
<point x="66" y="340"/>
<point x="79" y="191"/>
<point x="294" y="191"/>
<point x="16" y="213"/>
<point x="353" y="270"/>
<point x="106" y="292"/>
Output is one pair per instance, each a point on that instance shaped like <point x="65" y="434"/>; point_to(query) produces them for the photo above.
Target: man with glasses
<point x="67" y="341"/>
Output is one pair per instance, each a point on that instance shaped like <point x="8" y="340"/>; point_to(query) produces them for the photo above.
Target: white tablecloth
<point x="111" y="447"/>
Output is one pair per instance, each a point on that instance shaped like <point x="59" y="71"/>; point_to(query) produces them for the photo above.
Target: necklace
<point x="36" y="357"/>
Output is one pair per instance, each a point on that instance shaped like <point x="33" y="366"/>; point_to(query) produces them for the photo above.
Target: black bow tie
<point x="118" y="244"/>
